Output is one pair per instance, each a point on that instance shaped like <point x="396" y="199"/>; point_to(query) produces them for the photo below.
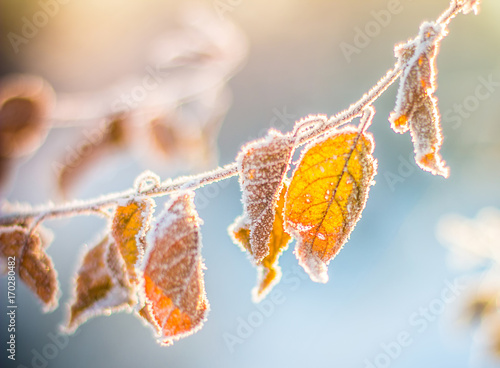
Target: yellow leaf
<point x="269" y="272"/>
<point x="326" y="195"/>
<point x="130" y="224"/>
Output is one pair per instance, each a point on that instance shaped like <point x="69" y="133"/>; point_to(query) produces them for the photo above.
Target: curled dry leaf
<point x="173" y="288"/>
<point x="26" y="102"/>
<point x="262" y="165"/>
<point x="269" y="272"/>
<point x="32" y="264"/>
<point x="130" y="224"/>
<point x="416" y="106"/>
<point x="101" y="285"/>
<point x="113" y="135"/>
<point x="326" y="196"/>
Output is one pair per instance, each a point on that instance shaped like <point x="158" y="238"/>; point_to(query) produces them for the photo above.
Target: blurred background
<point x="266" y="64"/>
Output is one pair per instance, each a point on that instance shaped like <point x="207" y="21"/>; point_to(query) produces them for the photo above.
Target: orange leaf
<point x="101" y="285"/>
<point x="269" y="272"/>
<point x="173" y="287"/>
<point x="263" y="165"/>
<point x="33" y="265"/>
<point x="326" y="196"/>
<point x="416" y="106"/>
<point x="130" y="224"/>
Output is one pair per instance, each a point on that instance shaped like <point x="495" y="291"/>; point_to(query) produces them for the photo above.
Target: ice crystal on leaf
<point x="101" y="285"/>
<point x="416" y="106"/>
<point x="130" y="224"/>
<point x="469" y="5"/>
<point x="326" y="196"/>
<point x="172" y="287"/>
<point x="269" y="273"/>
<point x="262" y="165"/>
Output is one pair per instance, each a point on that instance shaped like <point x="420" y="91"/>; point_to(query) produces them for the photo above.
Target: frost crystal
<point x="173" y="289"/>
<point x="416" y="106"/>
<point x="262" y="165"/>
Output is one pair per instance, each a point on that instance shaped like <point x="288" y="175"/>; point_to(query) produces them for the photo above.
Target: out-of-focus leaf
<point x="25" y="104"/>
<point x="112" y="136"/>
<point x="32" y="264"/>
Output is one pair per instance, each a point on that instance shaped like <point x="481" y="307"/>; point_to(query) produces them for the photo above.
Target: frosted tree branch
<point x="305" y="129"/>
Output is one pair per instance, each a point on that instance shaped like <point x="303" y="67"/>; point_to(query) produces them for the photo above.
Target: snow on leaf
<point x="130" y="224"/>
<point x="416" y="106"/>
<point x="32" y="264"/>
<point x="111" y="137"/>
<point x="172" y="286"/>
<point x="269" y="272"/>
<point x="263" y="165"/>
<point x="101" y="285"/>
<point x="326" y="196"/>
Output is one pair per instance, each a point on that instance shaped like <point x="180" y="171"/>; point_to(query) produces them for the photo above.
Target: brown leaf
<point x="181" y="142"/>
<point x="111" y="137"/>
<point x="130" y="224"/>
<point x="269" y="272"/>
<point x="32" y="264"/>
<point x="416" y="106"/>
<point x="25" y="104"/>
<point x="326" y="196"/>
<point x="101" y="285"/>
<point x="263" y="165"/>
<point x="164" y="135"/>
<point x="173" y="287"/>
<point x="5" y="170"/>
